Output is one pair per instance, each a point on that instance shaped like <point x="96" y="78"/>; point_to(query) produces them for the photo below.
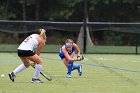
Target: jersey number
<point x="27" y="39"/>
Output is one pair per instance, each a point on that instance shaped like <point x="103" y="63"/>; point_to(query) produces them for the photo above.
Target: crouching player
<point x="66" y="53"/>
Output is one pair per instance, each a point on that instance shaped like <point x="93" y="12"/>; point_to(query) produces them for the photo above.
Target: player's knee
<point x="26" y="65"/>
<point x="40" y="62"/>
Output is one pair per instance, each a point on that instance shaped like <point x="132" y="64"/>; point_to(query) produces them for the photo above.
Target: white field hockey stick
<point x="43" y="74"/>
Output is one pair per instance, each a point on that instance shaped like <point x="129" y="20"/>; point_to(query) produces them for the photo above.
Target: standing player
<point x="26" y="54"/>
<point x="66" y="53"/>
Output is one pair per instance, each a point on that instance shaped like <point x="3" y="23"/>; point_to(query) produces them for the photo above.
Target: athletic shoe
<point x="68" y="76"/>
<point x="80" y="70"/>
<point x="12" y="76"/>
<point x="36" y="80"/>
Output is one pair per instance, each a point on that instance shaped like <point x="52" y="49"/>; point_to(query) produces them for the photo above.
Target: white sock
<point x="38" y="68"/>
<point x="19" y="69"/>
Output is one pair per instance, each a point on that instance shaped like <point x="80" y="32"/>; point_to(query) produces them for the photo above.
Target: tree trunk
<point x="24" y="9"/>
<point x="37" y="8"/>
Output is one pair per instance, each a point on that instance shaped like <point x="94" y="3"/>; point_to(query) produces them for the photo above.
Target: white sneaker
<point x="36" y="80"/>
<point x="68" y="76"/>
<point x="12" y="76"/>
<point x="80" y="70"/>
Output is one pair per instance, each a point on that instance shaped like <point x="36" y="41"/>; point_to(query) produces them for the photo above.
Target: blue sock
<point x="70" y="65"/>
<point x="76" y="67"/>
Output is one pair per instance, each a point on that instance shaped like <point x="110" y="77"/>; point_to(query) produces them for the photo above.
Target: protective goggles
<point x="68" y="45"/>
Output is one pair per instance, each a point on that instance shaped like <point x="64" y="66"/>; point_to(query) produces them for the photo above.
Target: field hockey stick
<point x="43" y="74"/>
<point x="82" y="58"/>
<point x="47" y="77"/>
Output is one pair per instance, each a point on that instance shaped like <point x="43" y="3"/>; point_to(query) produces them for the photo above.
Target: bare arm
<point x="77" y="50"/>
<point x="38" y="50"/>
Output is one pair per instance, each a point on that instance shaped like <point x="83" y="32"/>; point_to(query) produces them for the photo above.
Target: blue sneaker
<point x="68" y="76"/>
<point x="80" y="70"/>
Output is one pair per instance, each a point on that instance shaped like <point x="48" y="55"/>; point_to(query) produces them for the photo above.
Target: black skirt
<point x="25" y="53"/>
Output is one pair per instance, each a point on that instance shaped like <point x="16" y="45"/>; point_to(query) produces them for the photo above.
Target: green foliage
<point x="113" y="38"/>
<point x="5" y="14"/>
<point x="115" y="11"/>
<point x="8" y="38"/>
<point x="61" y="10"/>
<point x="72" y="10"/>
<point x="64" y="10"/>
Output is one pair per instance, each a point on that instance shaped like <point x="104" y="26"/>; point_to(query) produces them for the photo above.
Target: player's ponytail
<point x="42" y="34"/>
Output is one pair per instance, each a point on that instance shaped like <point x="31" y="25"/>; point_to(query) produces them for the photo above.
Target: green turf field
<point x="90" y="49"/>
<point x="101" y="74"/>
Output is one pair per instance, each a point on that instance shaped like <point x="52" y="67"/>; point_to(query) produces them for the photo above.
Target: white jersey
<point x="29" y="43"/>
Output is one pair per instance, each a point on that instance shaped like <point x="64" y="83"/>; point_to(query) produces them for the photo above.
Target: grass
<point x="90" y="49"/>
<point x="96" y="78"/>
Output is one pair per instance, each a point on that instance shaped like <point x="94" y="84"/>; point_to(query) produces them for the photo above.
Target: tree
<point x="5" y="12"/>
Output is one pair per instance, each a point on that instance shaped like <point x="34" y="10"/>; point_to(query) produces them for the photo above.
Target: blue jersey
<point x="61" y="54"/>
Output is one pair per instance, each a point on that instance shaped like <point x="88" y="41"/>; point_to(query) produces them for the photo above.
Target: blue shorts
<point x="61" y="55"/>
